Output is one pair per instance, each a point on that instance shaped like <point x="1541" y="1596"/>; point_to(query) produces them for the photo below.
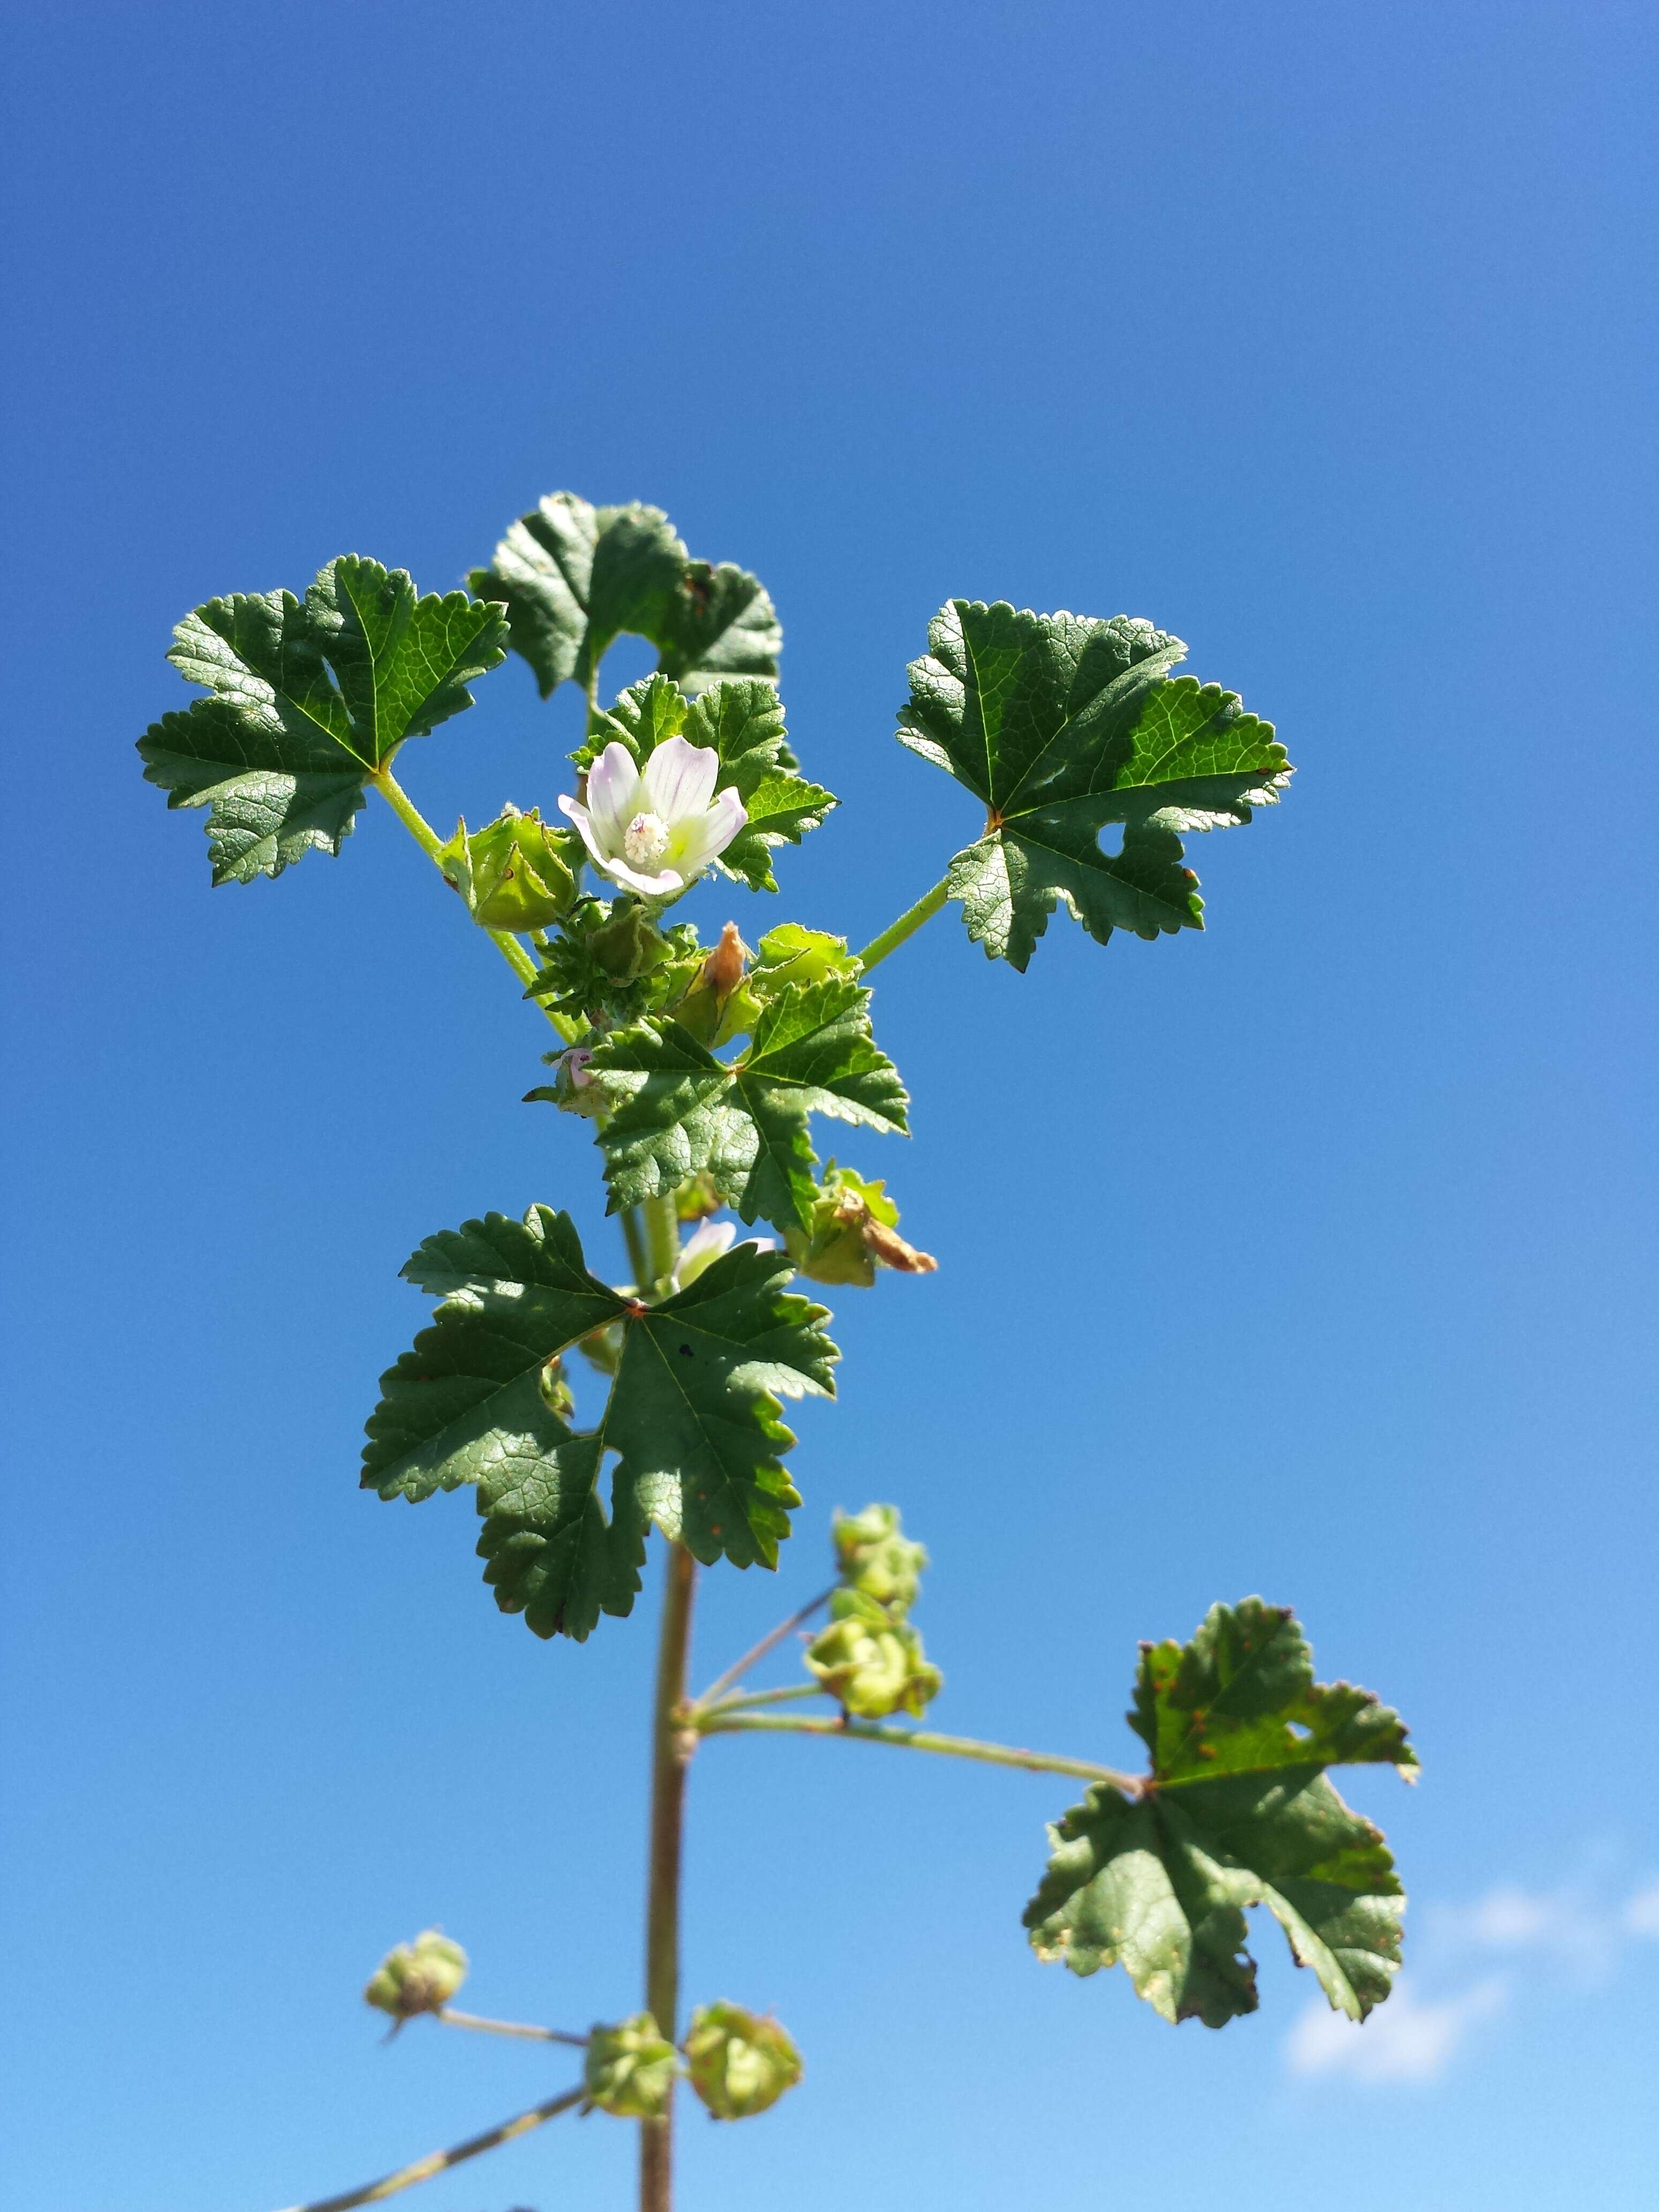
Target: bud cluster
<point x="738" y="2063"/>
<point x="870" y="1657"/>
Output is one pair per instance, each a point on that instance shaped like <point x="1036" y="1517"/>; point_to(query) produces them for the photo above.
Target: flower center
<point x="645" y="841"/>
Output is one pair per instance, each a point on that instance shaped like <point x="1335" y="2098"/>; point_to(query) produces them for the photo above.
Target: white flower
<point x="712" y="1241"/>
<point x="655" y="831"/>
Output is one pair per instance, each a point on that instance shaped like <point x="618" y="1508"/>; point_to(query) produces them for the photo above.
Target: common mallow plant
<point x="583" y="1413"/>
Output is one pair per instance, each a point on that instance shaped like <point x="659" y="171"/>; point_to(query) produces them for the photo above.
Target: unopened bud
<point x="418" y="1976"/>
<point x="854" y="1231"/>
<point x="740" y="2062"/>
<point x="630" y="2068"/>
<point x="705" y="1003"/>
<point x="628" y="944"/>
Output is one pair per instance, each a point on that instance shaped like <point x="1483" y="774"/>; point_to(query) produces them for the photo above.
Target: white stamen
<point x="645" y="841"/>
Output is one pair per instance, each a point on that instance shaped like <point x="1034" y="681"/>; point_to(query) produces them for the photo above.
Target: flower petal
<point x="669" y="885"/>
<point x="613" y="794"/>
<point x="583" y="821"/>
<point x="679" y="779"/>
<point x="697" y="844"/>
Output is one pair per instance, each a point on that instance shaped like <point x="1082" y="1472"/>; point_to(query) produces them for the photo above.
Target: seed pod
<point x="418" y="1976"/>
<point x="872" y="1663"/>
<point x="630" y="2068"/>
<point x="740" y="2063"/>
<point x="876" y="1557"/>
<point x="514" y="873"/>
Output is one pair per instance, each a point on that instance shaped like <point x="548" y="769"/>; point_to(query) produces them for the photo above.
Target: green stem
<point x="671" y="1746"/>
<point x="906" y="925"/>
<point x="431" y="844"/>
<point x="769" y="1697"/>
<point x="452" y="2019"/>
<point x="440" y="2161"/>
<point x="758" y="1651"/>
<point x="662" y="1240"/>
<point x="634" y="1236"/>
<point x="951" y="1747"/>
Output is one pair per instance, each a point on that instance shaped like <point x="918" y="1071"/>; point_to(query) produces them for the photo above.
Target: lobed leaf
<point x="307" y="698"/>
<point x="692" y="1414"/>
<point x="574" y="577"/>
<point x="1063" y="726"/>
<point x="677" y="1111"/>
<point x="1239" y="1810"/>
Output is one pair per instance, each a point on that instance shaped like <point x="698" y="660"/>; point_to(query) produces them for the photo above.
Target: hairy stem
<point x="951" y="1747"/>
<point x="907" y="926"/>
<point x="452" y="2019"/>
<point x="431" y="844"/>
<point x="758" y="1651"/>
<point x="662" y="1240"/>
<point x="440" y="2161"/>
<point x="671" y="1746"/>
<point x="639" y="1259"/>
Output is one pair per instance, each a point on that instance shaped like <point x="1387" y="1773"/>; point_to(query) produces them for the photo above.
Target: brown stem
<point x="671" y="1746"/>
<point x="440" y="2161"/>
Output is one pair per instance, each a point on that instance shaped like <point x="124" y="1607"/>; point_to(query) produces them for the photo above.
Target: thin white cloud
<point x="1581" y="1925"/>
<point x="1642" y="1911"/>
<point x="1409" y="2039"/>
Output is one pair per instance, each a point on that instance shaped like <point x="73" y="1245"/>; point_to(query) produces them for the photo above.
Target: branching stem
<point x="431" y="844"/>
<point x="907" y="926"/>
<point x="758" y="1651"/>
<point x="951" y="1747"/>
<point x="452" y="2019"/>
<point x="440" y="2161"/>
<point x="770" y="1698"/>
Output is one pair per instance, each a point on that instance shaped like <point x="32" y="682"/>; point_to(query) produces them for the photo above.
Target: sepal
<point x="630" y="2068"/>
<point x="740" y="2062"/>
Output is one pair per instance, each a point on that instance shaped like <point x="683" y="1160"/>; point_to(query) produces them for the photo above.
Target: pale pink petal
<point x="679" y="779"/>
<point x="668" y="885"/>
<point x="580" y="815"/>
<point x="699" y="841"/>
<point x="613" y="786"/>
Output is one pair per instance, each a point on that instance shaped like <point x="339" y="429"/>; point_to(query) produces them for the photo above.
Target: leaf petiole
<point x="907" y="926"/>
<point x="431" y="844"/>
<point x="949" y="1746"/>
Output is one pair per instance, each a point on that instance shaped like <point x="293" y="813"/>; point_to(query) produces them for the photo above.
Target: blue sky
<point x="1313" y="1255"/>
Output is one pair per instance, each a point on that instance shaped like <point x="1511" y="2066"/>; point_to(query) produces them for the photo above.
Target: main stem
<point x="671" y="1746"/>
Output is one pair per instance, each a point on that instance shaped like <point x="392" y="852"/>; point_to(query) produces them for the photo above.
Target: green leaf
<point x="692" y="1414"/>
<point x="574" y="577"/>
<point x="677" y="1111"/>
<point x="1062" y="725"/>
<point x="1238" y="1811"/>
<point x="308" y="699"/>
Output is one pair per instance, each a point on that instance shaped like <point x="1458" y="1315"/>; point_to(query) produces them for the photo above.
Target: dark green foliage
<point x="1064" y="726"/>
<point x="306" y="699"/>
<point x="1239" y="1810"/>
<point x="692" y="1412"/>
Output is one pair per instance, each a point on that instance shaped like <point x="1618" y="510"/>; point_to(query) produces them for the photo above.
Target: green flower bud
<point x="872" y="1663"/>
<point x="874" y="1556"/>
<point x="702" y="1009"/>
<point x="628" y="946"/>
<point x="739" y="2062"/>
<point x="630" y="2068"/>
<point x="515" y="873"/>
<point x="418" y="1976"/>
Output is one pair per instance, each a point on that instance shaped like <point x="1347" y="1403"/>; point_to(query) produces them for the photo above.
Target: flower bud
<point x="628" y="944"/>
<point x="630" y="2068"/>
<point x="704" y="1004"/>
<point x="418" y="1976"/>
<point x="876" y="1558"/>
<point x="514" y="873"/>
<point x="872" y="1663"/>
<point x="740" y="2063"/>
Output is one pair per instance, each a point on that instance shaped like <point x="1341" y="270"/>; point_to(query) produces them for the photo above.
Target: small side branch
<point x="949" y="1746"/>
<point x="450" y="2017"/>
<point x="440" y="2161"/>
<point x="753" y="1657"/>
